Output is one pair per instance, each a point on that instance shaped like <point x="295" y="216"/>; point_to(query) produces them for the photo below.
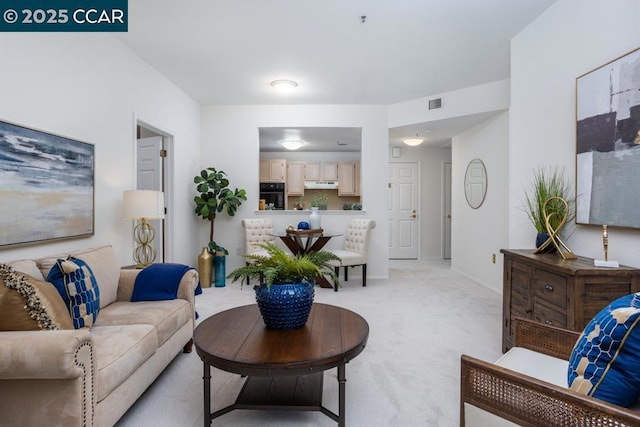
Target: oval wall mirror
<point x="475" y="183"/>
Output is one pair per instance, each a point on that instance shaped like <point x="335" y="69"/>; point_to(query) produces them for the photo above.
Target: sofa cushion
<point x="605" y="362"/>
<point x="165" y="316"/>
<point x="119" y="351"/>
<point x="77" y="286"/>
<point x="29" y="304"/>
<point x="28" y="267"/>
<point x="105" y="267"/>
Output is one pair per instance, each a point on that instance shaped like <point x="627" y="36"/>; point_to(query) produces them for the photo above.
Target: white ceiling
<point x="228" y="52"/>
<point x="313" y="138"/>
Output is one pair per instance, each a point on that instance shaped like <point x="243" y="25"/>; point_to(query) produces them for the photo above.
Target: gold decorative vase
<point x="205" y="268"/>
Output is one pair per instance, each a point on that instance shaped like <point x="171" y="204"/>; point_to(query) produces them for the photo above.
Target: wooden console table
<point x="564" y="293"/>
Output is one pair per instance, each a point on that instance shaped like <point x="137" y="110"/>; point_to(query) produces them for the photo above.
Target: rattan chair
<point x="493" y="395"/>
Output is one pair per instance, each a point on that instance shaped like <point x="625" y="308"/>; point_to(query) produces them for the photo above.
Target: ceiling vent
<point x="434" y="104"/>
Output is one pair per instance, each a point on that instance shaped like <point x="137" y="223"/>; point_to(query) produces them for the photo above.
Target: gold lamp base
<point x="143" y="234"/>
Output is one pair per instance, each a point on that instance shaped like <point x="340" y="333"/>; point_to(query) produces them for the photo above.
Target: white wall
<point x="89" y="87"/>
<point x="477" y="234"/>
<point x="569" y="39"/>
<point x="483" y="98"/>
<point x="230" y="142"/>
<point x="430" y="162"/>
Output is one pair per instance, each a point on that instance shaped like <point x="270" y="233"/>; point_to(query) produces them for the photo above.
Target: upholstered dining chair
<point x="355" y="248"/>
<point x="257" y="231"/>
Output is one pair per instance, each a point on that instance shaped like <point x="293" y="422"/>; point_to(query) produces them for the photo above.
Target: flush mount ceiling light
<point x="413" y="141"/>
<point x="284" y="86"/>
<point x="291" y="144"/>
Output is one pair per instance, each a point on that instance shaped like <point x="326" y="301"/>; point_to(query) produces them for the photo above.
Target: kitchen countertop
<point x="307" y="212"/>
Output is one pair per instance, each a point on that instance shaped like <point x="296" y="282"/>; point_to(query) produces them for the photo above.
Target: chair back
<point x="257" y="232"/>
<point x="356" y="238"/>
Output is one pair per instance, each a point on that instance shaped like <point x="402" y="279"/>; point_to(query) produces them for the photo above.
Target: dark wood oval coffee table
<point x="284" y="368"/>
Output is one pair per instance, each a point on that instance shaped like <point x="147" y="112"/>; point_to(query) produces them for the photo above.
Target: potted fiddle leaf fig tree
<point x="215" y="197"/>
<point x="286" y="289"/>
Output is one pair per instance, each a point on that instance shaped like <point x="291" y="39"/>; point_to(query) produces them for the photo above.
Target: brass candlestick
<point x="605" y="242"/>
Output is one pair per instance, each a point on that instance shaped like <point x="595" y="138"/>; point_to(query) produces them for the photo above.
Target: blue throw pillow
<point x="605" y="362"/>
<point x="77" y="285"/>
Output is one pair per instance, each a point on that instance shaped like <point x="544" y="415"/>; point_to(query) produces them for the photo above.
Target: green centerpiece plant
<point x="286" y="289"/>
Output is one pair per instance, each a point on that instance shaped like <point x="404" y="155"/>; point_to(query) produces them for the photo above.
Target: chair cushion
<point x="605" y="362"/>
<point x="348" y="258"/>
<point x="28" y="304"/>
<point x="538" y="365"/>
<point x="78" y="288"/>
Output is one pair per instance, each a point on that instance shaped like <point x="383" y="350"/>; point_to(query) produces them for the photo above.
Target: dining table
<point x="301" y="242"/>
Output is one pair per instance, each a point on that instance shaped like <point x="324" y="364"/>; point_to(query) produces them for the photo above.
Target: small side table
<point x="131" y="267"/>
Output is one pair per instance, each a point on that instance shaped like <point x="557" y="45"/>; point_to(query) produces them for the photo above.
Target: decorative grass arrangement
<point x="549" y="183"/>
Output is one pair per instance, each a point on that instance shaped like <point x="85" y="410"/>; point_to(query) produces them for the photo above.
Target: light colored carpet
<point x="421" y="320"/>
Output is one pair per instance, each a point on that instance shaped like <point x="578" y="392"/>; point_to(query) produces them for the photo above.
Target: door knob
<point x="414" y="216"/>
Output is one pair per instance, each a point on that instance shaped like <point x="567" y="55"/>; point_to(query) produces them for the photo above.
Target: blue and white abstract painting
<point x="46" y="186"/>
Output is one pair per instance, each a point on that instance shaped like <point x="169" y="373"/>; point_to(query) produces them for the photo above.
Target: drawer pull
<point x="548" y="322"/>
<point x="548" y="287"/>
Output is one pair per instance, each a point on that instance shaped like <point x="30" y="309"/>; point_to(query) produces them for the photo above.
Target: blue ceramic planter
<point x="540" y="239"/>
<point x="285" y="306"/>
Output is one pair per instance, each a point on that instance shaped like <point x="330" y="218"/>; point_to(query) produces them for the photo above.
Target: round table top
<point x="237" y="340"/>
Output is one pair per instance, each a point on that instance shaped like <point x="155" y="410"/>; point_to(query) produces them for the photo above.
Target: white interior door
<point x="403" y="211"/>
<point x="149" y="173"/>
<point x="446" y="214"/>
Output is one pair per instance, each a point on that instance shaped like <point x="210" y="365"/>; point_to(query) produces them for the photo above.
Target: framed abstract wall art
<point x="608" y="144"/>
<point x="46" y="186"/>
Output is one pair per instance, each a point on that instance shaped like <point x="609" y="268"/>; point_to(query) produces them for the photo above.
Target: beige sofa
<point x="90" y="377"/>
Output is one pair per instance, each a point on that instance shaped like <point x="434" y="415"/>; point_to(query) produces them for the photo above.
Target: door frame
<point x="446" y="168"/>
<point x="168" y="179"/>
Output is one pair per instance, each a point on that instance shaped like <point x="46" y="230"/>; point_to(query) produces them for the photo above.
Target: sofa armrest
<point x="47" y="376"/>
<point x="186" y="288"/>
<point x="528" y="401"/>
<point x="45" y="354"/>
<point x="545" y="339"/>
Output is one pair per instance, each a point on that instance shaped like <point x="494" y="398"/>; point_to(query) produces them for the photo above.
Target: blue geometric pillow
<point x="77" y="285"/>
<point x="605" y="362"/>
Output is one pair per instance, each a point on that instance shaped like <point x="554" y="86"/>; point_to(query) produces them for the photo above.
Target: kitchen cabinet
<point x="273" y="170"/>
<point x="295" y="178"/>
<point x="349" y="178"/>
<point x="564" y="293"/>
<point x="321" y="171"/>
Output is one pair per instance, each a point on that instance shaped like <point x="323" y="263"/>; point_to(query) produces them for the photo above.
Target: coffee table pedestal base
<point x="284" y="393"/>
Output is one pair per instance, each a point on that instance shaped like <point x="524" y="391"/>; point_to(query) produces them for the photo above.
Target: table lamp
<point x="143" y="205"/>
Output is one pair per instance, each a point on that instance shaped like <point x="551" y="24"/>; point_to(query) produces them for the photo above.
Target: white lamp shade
<point x="138" y="204"/>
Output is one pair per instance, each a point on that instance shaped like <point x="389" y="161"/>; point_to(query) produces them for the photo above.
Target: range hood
<point x="321" y="185"/>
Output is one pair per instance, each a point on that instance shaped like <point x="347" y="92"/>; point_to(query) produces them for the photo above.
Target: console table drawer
<point x="549" y="316"/>
<point x="551" y="288"/>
